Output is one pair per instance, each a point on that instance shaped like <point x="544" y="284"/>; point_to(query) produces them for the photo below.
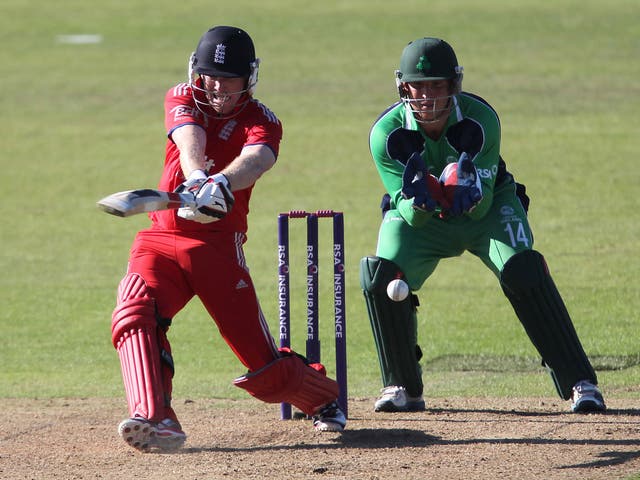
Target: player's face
<point x="223" y="93"/>
<point x="429" y="99"/>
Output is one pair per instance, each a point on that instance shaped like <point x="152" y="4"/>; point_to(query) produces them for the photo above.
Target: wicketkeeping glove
<point x="212" y="195"/>
<point x="462" y="186"/>
<point x="414" y="184"/>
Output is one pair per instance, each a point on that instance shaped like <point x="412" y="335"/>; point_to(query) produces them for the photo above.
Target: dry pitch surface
<point x="454" y="439"/>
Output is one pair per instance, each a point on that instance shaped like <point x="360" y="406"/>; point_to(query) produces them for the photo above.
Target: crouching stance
<point x="448" y="191"/>
<point x="220" y="141"/>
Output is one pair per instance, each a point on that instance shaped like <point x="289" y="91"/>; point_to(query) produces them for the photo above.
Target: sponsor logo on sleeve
<point x="182" y="111"/>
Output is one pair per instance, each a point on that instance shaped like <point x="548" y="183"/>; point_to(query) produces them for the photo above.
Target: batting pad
<point x="526" y="282"/>
<point x="394" y="326"/>
<point x="134" y="335"/>
<point x="288" y="379"/>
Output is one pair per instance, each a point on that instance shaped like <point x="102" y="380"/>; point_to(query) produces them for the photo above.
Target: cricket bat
<point x="132" y="202"/>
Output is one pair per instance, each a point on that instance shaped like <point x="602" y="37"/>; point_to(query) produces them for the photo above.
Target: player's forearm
<point x="249" y="166"/>
<point x="191" y="141"/>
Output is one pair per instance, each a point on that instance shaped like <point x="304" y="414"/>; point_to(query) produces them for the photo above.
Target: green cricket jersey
<point x="416" y="240"/>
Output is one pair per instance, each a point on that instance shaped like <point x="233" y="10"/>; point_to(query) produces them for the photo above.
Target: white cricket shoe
<point x="586" y="398"/>
<point x="145" y="435"/>
<point x="396" y="399"/>
<point x="169" y="435"/>
<point x="330" y="419"/>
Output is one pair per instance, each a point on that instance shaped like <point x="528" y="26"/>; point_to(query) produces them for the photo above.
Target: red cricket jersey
<point x="255" y="125"/>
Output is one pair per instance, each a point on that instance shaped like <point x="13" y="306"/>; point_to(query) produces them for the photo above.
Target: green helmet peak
<point x="428" y="59"/>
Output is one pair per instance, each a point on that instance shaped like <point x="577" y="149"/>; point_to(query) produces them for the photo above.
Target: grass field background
<point x="82" y="121"/>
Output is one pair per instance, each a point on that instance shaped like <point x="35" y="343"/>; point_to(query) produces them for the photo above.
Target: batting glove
<point x="212" y="195"/>
<point x="193" y="182"/>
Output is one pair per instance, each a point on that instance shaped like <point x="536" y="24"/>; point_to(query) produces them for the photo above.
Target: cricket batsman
<point x="448" y="191"/>
<point x="220" y="140"/>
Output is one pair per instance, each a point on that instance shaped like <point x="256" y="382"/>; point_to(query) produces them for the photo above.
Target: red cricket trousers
<point x="177" y="266"/>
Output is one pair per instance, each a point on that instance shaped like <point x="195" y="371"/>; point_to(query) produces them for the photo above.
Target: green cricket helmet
<point x="428" y="59"/>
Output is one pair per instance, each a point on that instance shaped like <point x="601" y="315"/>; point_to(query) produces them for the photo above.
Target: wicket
<point x="284" y="305"/>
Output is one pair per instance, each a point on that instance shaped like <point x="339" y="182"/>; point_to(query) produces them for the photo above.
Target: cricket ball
<point x="397" y="290"/>
<point x="449" y="180"/>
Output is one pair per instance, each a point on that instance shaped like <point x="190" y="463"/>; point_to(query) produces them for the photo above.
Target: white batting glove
<point x="195" y="216"/>
<point x="213" y="199"/>
<point x="193" y="182"/>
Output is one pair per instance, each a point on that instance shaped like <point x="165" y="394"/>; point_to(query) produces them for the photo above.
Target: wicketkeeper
<point x="220" y="141"/>
<point x="437" y="151"/>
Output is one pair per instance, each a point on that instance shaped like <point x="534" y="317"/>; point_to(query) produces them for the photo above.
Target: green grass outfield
<point x="81" y="121"/>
